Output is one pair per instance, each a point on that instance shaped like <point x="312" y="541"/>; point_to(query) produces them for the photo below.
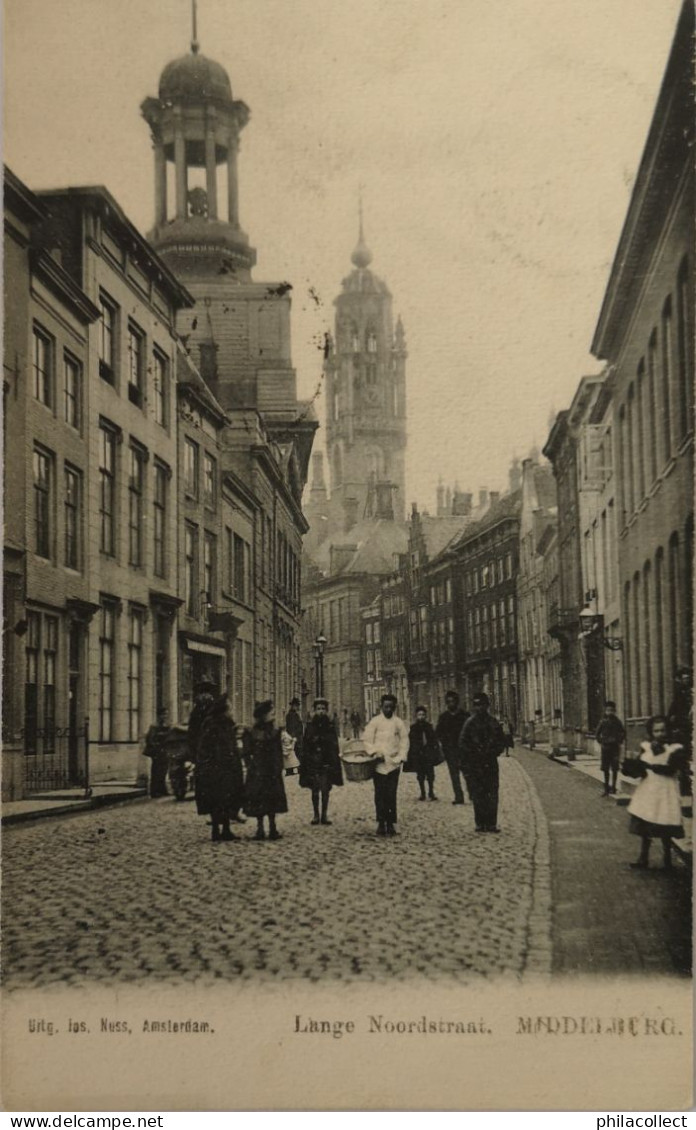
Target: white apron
<point x="657" y="798"/>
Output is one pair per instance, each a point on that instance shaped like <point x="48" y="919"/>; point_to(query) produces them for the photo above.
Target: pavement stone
<point x="140" y="892"/>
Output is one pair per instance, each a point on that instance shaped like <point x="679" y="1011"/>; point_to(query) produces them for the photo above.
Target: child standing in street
<point x="655" y="807"/>
<point x="610" y="734"/>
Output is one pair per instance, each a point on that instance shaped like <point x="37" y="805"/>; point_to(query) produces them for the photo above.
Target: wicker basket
<point x="358" y="767"/>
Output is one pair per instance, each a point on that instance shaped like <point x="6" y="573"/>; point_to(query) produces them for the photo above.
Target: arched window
<point x="354" y="339"/>
<point x="667" y="380"/>
<point x="685" y="343"/>
<point x="653" y="410"/>
<point x="648" y="644"/>
<point x="371" y="340"/>
<point x="675" y="606"/>
<point x="658" y="633"/>
<point x="688" y="589"/>
<point x="638" y="636"/>
<point x="628" y="635"/>
<point x="640" y="443"/>
<point x="633" y="449"/>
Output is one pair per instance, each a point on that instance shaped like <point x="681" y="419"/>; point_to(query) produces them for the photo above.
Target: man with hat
<point x="386" y="739"/>
<point x="320" y="765"/>
<point x="447" y="731"/>
<point x="294" y="727"/>
<point x="480" y="744"/>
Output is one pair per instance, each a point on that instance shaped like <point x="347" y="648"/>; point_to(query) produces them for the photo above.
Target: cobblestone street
<point x="140" y="892"/>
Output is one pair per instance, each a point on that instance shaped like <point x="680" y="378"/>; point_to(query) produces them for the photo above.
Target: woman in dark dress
<point x="265" y="790"/>
<point x="219" y="778"/>
<point x="320" y="765"/>
<point x="424" y="753"/>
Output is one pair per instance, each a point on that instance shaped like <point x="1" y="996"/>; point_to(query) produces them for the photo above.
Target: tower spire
<point x="194" y="15"/>
<point x="362" y="256"/>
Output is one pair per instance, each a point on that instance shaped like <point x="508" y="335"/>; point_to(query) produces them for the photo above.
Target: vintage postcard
<point x="348" y="540"/>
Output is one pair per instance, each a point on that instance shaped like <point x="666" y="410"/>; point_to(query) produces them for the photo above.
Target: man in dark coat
<point x="320" y="765"/>
<point x="480" y="744"/>
<point x="219" y="776"/>
<point x="204" y="696"/>
<point x="448" y="729"/>
<point x="294" y="727"/>
<point x="423" y="753"/>
<point x="156" y="749"/>
<point x="355" y="723"/>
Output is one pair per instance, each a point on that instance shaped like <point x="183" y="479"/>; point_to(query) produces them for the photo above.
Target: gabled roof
<point x="377" y="541"/>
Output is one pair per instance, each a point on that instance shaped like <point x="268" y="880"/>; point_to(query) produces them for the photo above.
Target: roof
<point x="194" y="78"/>
<point x="377" y="541"/>
<point x="21" y="199"/>
<point x="111" y="210"/>
<point x="439" y="532"/>
<point x="508" y="506"/>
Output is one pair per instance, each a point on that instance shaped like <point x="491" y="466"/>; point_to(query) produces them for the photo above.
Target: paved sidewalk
<point x="591" y="767"/>
<point x="62" y="802"/>
<point x="607" y="918"/>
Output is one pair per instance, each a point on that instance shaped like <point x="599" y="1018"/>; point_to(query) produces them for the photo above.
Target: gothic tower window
<point x="355" y="339"/>
<point x="371" y="341"/>
<point x="371" y="373"/>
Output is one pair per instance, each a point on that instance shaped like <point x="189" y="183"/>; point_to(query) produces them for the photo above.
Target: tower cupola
<point x="195" y="124"/>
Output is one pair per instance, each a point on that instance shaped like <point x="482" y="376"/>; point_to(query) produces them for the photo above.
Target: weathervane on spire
<point x="362" y="256"/>
<point x="194" y="13"/>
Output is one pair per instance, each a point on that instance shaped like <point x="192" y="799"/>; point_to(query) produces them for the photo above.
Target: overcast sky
<point x="497" y="144"/>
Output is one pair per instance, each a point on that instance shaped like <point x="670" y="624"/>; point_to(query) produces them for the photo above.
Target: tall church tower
<point x="366" y="398"/>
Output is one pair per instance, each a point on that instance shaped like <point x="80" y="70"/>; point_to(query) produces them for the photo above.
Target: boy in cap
<point x="610" y="734"/>
<point x="480" y="744"/>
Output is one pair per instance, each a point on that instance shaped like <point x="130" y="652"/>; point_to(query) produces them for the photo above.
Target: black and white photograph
<point x="348" y="475"/>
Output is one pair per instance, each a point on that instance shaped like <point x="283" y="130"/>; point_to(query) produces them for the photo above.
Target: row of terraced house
<point x="576" y="585"/>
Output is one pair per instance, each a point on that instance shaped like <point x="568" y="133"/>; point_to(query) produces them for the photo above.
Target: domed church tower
<point x="239" y="331"/>
<point x="366" y="397"/>
<point x="195" y="124"/>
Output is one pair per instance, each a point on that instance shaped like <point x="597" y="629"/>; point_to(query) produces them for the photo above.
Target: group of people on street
<point x="239" y="772"/>
<point x="470" y="744"/>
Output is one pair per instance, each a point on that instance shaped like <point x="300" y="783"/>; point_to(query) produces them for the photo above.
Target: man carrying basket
<point x="386" y="740"/>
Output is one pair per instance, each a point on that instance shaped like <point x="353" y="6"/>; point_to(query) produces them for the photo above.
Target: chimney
<point x="339" y="557"/>
<point x="448" y="500"/>
<point x="483" y="498"/>
<point x="318" y="488"/>
<point x="384" y="502"/>
<point x="350" y="514"/>
<point x="207" y="354"/>
<point x="494" y="496"/>
<point x="462" y="503"/>
<point x="440" y="494"/>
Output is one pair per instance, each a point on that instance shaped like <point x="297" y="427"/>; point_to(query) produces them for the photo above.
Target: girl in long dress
<point x="655" y="807"/>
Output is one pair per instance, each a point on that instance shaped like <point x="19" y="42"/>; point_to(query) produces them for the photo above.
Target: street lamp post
<point x="319" y="645"/>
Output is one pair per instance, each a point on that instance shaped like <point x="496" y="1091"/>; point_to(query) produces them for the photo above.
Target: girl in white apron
<point x="655" y="807"/>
